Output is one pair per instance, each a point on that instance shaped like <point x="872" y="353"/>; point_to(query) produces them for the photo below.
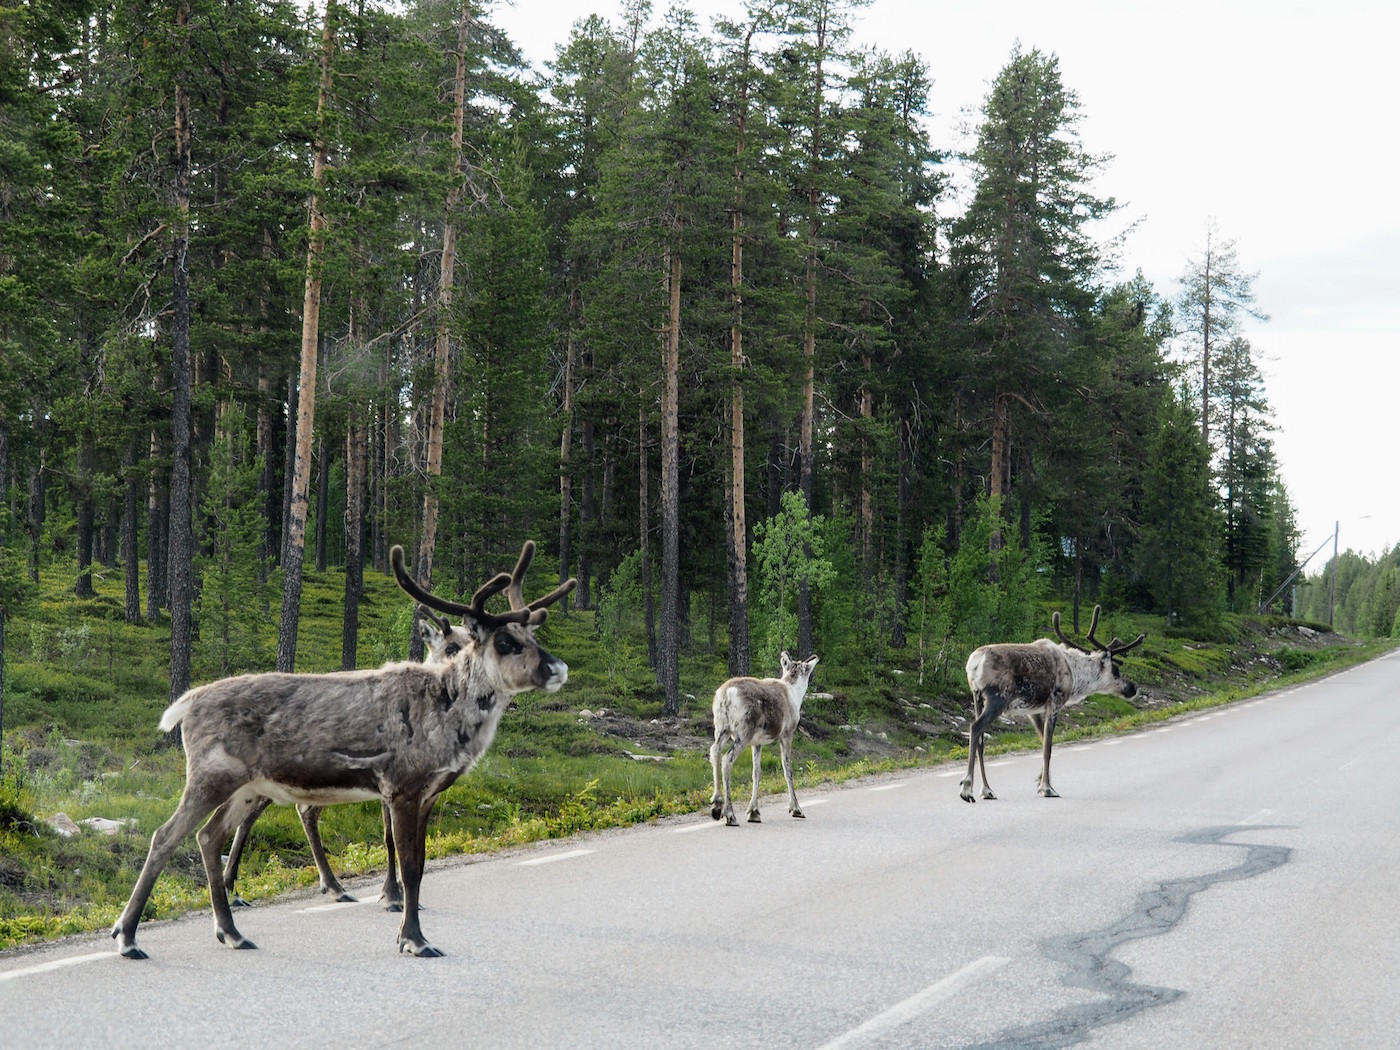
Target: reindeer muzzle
<point x="551" y="672"/>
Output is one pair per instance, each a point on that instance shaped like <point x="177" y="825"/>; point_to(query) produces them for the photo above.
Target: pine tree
<point x="1178" y="555"/>
<point x="1216" y="296"/>
<point x="1025" y="249"/>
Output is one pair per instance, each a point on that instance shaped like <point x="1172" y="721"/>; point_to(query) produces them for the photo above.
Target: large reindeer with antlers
<point x="1040" y="679"/>
<point x="402" y="733"/>
<point x="443" y="641"/>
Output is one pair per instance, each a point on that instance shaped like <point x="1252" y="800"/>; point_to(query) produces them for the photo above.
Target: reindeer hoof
<point x="394" y="906"/>
<point x="422" y="949"/>
<point x="344" y="898"/>
<point x="126" y="946"/>
<point x="799" y="815"/>
<point x="731" y="820"/>
<point x="716" y="811"/>
<point x="234" y="940"/>
<point x="1048" y="792"/>
<point x="754" y="818"/>
<point x="987" y="793"/>
<point x="966" y="795"/>
<point x="238" y="902"/>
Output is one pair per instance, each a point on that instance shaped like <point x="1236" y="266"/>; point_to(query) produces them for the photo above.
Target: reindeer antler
<point x="1055" y="620"/>
<point x="476" y="610"/>
<point x="515" y="591"/>
<point x="512" y="584"/>
<point x="1114" y="648"/>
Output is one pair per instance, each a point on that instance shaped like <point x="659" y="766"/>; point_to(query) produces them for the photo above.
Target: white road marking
<point x="1256" y="817"/>
<point x="816" y="802"/>
<point x="568" y="854"/>
<point x="887" y="787"/>
<point x="335" y="906"/>
<point x="687" y="828"/>
<point x="56" y="964"/>
<point x="1113" y="742"/>
<point x="950" y="773"/>
<point x="917" y="1004"/>
<point x="1347" y="765"/>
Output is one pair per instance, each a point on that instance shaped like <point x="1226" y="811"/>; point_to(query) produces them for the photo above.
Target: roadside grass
<point x="85" y="689"/>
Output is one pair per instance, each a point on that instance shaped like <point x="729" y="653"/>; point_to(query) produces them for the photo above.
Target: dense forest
<point x="696" y="307"/>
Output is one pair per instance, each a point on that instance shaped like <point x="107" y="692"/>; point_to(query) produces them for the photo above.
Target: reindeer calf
<point x="1040" y="679"/>
<point x="754" y="712"/>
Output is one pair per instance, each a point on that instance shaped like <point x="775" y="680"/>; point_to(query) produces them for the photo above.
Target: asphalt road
<point x="1227" y="880"/>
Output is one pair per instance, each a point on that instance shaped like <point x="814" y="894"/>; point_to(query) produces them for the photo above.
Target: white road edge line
<point x="687" y="828"/>
<point x="336" y="905"/>
<point x="816" y="802"/>
<point x="56" y="964"/>
<point x="917" y="1004"/>
<point x="886" y="787"/>
<point x="568" y="854"/>
<point x="1255" y="818"/>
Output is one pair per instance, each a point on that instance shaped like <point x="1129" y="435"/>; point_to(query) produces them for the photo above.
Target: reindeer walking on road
<point x="1039" y="678"/>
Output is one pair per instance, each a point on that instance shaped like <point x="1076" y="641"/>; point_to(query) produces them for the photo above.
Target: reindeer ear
<point x="428" y="625"/>
<point x="785" y="661"/>
<point x="811" y="662"/>
<point x="476" y="628"/>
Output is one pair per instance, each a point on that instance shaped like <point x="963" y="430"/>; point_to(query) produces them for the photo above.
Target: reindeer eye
<point x="507" y="646"/>
<point x="452" y="650"/>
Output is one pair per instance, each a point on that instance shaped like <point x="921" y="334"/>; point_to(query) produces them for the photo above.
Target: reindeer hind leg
<point x="716" y="759"/>
<point x="311" y="824"/>
<point x="211" y="839"/>
<point x="196" y="803"/>
<point x="785" y="750"/>
<point x="754" y="817"/>
<point x="235" y="853"/>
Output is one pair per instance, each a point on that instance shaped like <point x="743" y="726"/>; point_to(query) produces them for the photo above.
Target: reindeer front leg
<point x="392" y="893"/>
<point x="982" y="755"/>
<point x="1038" y="722"/>
<point x="754" y="817"/>
<point x="785" y="750"/>
<point x="410" y="830"/>
<point x="1049" y="739"/>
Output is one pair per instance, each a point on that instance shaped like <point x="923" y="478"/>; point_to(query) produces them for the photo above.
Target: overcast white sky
<point x="1278" y="119"/>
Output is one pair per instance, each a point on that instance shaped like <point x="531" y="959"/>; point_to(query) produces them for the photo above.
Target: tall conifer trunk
<point x="181" y="482"/>
<point x="670" y="484"/>
<point x="295" y="549"/>
<point x="442" y="345"/>
<point x="809" y="318"/>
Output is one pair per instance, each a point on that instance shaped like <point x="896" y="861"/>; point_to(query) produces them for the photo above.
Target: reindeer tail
<point x="176" y="712"/>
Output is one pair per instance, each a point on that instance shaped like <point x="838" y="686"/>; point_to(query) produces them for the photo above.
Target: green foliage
<point x="789" y="550"/>
<point x="234" y="602"/>
<point x="1178" y="557"/>
<point x="619" y="619"/>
